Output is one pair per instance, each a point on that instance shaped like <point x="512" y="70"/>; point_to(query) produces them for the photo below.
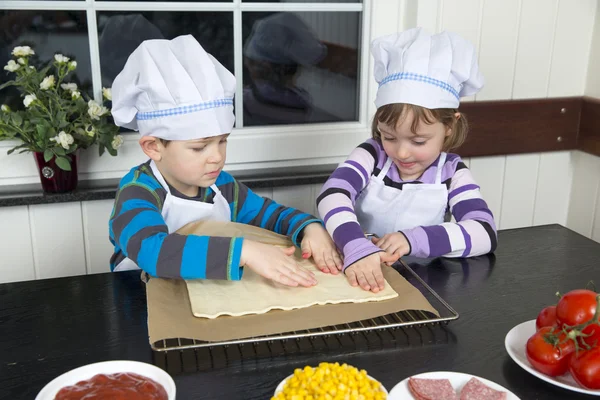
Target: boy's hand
<point x="276" y="264"/>
<point x="366" y="272"/>
<point x="318" y="244"/>
<point x="394" y="244"/>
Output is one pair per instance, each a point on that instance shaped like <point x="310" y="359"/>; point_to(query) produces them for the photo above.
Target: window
<point x="301" y="65"/>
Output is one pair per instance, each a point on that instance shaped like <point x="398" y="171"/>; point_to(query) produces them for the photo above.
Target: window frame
<point x="250" y="148"/>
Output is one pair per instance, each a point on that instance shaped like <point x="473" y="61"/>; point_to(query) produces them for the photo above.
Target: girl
<point x="399" y="184"/>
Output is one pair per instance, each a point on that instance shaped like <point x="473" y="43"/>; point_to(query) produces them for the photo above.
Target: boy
<point x="180" y="99"/>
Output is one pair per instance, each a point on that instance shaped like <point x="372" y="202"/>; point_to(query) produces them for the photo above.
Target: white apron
<point x="178" y="212"/>
<point x="381" y="209"/>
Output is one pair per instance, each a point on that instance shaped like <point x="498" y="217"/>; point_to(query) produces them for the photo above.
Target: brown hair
<point x="390" y="114"/>
<point x="164" y="142"/>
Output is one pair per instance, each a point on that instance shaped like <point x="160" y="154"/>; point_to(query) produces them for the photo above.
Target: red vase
<point x="54" y="179"/>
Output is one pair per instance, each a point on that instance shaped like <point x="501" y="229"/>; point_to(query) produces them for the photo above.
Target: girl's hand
<point x="318" y="244"/>
<point x="394" y="244"/>
<point x="276" y="264"/>
<point x="366" y="272"/>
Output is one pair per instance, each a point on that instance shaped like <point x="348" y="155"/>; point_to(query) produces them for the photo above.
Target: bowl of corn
<point x="330" y="381"/>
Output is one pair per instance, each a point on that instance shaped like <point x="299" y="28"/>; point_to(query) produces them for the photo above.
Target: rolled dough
<point x="257" y="295"/>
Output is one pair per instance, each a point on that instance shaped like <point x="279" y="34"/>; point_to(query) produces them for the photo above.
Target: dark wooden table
<point x="48" y="327"/>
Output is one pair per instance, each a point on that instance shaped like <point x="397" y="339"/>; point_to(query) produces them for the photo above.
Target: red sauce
<point x="119" y="386"/>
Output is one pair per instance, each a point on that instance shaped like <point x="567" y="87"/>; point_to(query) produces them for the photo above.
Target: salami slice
<point x="432" y="389"/>
<point x="477" y="390"/>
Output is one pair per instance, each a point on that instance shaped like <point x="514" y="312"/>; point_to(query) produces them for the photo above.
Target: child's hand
<point x="318" y="244"/>
<point x="394" y="244"/>
<point x="276" y="264"/>
<point x="366" y="272"/>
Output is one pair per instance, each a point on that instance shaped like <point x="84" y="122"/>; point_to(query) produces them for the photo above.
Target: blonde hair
<point x="390" y="114"/>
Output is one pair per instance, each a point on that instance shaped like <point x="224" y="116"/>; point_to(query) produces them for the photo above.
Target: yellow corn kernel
<point x="331" y="381"/>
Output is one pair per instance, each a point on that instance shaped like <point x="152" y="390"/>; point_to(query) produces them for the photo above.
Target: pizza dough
<point x="257" y="295"/>
<point x="254" y="294"/>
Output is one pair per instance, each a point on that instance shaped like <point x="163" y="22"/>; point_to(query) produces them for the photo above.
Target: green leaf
<point x="44" y="72"/>
<point x="59" y="151"/>
<point x="63" y="163"/>
<point x="16" y="119"/>
<point x="41" y="129"/>
<point x="61" y="116"/>
<point x="48" y="154"/>
<point x="100" y="150"/>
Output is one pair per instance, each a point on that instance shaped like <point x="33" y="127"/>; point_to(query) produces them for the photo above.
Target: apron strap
<point x="385" y="169"/>
<point x="159" y="176"/>
<point x="440" y="167"/>
<point x="216" y="190"/>
<point x="218" y="195"/>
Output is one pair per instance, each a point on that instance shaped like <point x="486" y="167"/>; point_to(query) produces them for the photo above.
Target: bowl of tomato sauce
<point x="116" y="380"/>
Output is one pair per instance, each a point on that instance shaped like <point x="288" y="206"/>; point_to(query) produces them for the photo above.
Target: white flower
<point x="73" y="65"/>
<point x="5" y="108"/>
<point x="12" y="66"/>
<point x="96" y="110"/>
<point x="61" y="59"/>
<point x="117" y="142"/>
<point x="47" y="83"/>
<point x="69" y="86"/>
<point x="32" y="67"/>
<point x="64" y="139"/>
<point x="22" y="51"/>
<point x="90" y="130"/>
<point x="75" y="94"/>
<point x="21" y="61"/>
<point x="30" y="98"/>
<point x="107" y="93"/>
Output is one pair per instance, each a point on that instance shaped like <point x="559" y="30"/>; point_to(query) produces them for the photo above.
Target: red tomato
<point x="585" y="368"/>
<point x="547" y="357"/>
<point x="576" y="307"/>
<point x="593" y="331"/>
<point x="546" y="317"/>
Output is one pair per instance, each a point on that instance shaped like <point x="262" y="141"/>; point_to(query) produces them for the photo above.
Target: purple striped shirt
<point x="473" y="233"/>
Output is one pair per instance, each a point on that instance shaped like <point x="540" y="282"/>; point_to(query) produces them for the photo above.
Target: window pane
<point x="121" y="33"/>
<point x="48" y="33"/>
<point x="300" y="67"/>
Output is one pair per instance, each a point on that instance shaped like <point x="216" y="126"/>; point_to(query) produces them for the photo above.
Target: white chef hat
<point x="174" y="90"/>
<point x="431" y="71"/>
<point x="283" y="38"/>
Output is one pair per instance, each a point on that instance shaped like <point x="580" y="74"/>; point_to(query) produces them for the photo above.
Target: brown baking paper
<point x="170" y="315"/>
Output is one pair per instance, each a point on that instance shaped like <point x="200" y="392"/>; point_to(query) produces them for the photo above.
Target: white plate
<point x="457" y="380"/>
<point x="107" y="367"/>
<point x="279" y="387"/>
<point x="515" y="343"/>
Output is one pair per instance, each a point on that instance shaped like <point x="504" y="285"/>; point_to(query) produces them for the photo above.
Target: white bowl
<point x="107" y="367"/>
<point x="279" y="387"/>
<point x="458" y="380"/>
<point x="516" y="344"/>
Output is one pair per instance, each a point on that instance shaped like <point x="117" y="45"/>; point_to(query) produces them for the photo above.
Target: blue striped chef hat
<point x="174" y="90"/>
<point x="431" y="71"/>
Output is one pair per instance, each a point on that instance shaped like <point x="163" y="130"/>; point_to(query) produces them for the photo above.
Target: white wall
<point x="584" y="207"/>
<point x="592" y="88"/>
